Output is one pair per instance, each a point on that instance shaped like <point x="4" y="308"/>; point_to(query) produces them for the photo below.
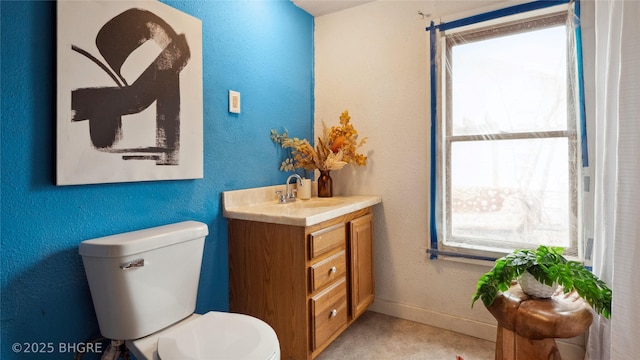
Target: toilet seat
<point x="214" y="335"/>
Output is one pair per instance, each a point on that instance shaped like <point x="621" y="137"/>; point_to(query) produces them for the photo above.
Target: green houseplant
<point x="548" y="266"/>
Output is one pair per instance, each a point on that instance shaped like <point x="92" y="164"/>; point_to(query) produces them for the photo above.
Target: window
<point x="506" y="135"/>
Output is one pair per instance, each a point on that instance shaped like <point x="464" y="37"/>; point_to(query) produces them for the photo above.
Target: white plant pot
<point x="531" y="286"/>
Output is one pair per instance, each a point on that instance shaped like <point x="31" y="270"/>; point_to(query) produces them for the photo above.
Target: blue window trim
<point x="582" y="109"/>
<point x="434" y="102"/>
<point x="535" y="5"/>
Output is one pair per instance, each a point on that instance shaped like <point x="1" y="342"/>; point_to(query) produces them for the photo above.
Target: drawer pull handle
<point x="333" y="270"/>
<point x="334" y="312"/>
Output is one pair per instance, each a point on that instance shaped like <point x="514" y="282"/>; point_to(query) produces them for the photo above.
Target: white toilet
<point x="144" y="286"/>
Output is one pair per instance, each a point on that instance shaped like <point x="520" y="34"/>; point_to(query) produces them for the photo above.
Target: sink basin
<point x="300" y="205"/>
<point x="314" y="203"/>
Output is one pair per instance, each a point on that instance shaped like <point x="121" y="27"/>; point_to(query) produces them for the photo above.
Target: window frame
<point x="441" y="163"/>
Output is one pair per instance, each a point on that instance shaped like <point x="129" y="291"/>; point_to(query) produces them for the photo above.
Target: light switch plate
<point x="234" y="102"/>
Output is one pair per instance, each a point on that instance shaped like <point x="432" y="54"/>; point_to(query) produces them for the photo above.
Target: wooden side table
<point x="527" y="327"/>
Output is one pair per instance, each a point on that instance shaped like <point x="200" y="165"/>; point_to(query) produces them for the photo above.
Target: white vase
<point x="531" y="286"/>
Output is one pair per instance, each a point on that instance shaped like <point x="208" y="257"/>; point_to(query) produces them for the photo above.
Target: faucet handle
<point x="294" y="194"/>
<point x="281" y="196"/>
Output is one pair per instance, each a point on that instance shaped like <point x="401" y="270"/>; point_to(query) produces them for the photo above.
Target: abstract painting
<point x="129" y="93"/>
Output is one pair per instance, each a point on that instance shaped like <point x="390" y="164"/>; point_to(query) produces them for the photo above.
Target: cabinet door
<point x="361" y="256"/>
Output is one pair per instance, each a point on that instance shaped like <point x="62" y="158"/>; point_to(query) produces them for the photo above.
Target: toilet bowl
<point x="144" y="286"/>
<point x="214" y="335"/>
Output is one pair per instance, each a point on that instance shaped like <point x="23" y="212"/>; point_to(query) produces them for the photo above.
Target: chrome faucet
<point x="290" y="195"/>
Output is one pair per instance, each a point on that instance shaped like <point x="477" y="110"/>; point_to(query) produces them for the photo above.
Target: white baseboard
<point x="443" y="321"/>
<point x="571" y="349"/>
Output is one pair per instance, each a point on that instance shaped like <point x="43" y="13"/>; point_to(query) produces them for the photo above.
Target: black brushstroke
<point x="97" y="62"/>
<point x="120" y="36"/>
<point x="141" y="157"/>
<point x="160" y="82"/>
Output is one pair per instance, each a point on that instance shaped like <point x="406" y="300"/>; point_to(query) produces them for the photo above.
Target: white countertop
<point x="261" y="204"/>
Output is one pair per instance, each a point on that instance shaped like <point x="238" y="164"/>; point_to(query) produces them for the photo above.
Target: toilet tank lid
<point x="139" y="241"/>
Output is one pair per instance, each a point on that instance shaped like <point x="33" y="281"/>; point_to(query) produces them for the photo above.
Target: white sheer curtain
<point x="617" y="177"/>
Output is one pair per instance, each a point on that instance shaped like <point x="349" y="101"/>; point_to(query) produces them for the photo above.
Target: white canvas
<point x="129" y="97"/>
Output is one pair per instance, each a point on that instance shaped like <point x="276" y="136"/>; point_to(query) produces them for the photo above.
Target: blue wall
<point x="264" y="49"/>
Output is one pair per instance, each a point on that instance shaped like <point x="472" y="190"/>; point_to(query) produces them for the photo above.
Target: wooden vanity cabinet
<point x="361" y="250"/>
<point x="309" y="283"/>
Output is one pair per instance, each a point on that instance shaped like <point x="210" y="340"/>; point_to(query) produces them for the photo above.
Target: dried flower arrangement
<point x="336" y="148"/>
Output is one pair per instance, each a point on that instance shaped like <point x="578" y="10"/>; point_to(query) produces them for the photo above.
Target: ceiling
<point x="321" y="7"/>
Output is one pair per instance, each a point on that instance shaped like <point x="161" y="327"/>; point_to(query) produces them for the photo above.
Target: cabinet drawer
<point x="329" y="312"/>
<point x="328" y="270"/>
<point x="325" y="240"/>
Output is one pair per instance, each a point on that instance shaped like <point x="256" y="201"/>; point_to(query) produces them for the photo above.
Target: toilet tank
<point x="143" y="281"/>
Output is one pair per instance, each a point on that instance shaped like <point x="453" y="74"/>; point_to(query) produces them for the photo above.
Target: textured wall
<point x="264" y="49"/>
<point x="374" y="60"/>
